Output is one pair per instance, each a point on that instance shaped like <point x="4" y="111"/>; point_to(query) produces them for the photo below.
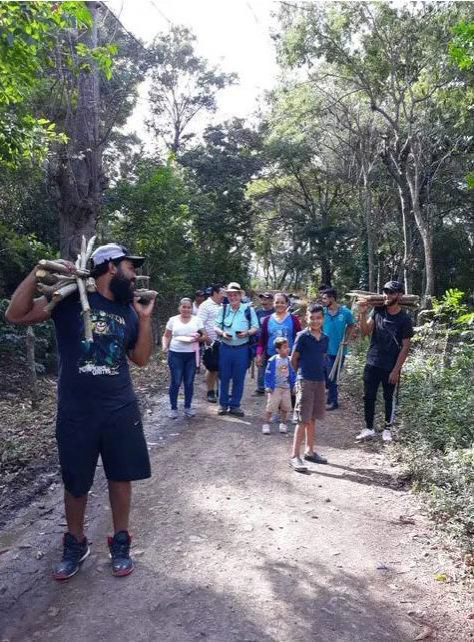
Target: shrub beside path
<point x="231" y="545"/>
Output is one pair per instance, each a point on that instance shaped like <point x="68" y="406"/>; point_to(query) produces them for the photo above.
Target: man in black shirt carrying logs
<point x="391" y="329"/>
<point x="97" y="329"/>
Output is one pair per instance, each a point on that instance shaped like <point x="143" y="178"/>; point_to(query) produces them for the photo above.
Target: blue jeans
<point x="233" y="364"/>
<point x="183" y="368"/>
<point x="261" y="375"/>
<point x="332" y="386"/>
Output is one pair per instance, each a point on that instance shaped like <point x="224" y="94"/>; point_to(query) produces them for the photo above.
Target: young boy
<point x="279" y="381"/>
<point x="308" y="359"/>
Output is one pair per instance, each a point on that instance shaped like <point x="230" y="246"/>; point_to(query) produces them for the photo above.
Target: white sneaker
<point x="365" y="434"/>
<point x="282" y="428"/>
<point x="266" y="429"/>
<point x="189" y="412"/>
<point x="297" y="464"/>
<point x="294" y="419"/>
<point x="173" y="414"/>
<point x="387" y="436"/>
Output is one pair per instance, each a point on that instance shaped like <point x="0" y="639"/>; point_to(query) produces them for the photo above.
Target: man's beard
<point x="122" y="289"/>
<point x="390" y="302"/>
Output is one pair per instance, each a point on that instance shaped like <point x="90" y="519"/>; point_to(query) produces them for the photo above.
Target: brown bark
<point x="30" y="360"/>
<point x="79" y="177"/>
<point x="405" y="211"/>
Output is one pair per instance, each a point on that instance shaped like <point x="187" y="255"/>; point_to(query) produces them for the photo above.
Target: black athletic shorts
<point x="117" y="437"/>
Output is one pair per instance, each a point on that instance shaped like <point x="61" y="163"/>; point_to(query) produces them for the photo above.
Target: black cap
<point x="393" y="286"/>
<point x="266" y="295"/>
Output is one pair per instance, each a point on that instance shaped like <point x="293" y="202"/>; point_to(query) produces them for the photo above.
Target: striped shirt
<point x="208" y="312"/>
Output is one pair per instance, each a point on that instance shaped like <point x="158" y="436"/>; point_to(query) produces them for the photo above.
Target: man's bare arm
<point x="24" y="308"/>
<point x="295" y="357"/>
<point x="366" y="325"/>
<point x="394" y="375"/>
<point x="141" y="353"/>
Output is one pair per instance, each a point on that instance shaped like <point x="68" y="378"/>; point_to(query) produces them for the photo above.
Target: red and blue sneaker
<point x="119" y="546"/>
<point x="74" y="554"/>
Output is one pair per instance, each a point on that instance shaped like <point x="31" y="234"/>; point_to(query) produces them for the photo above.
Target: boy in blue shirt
<point x="337" y="325"/>
<point x="308" y="360"/>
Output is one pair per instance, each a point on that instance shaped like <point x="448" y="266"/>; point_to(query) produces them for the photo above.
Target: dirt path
<point x="233" y="546"/>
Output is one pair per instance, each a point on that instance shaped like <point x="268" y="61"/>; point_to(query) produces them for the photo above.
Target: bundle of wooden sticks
<point x="411" y="301"/>
<point x="56" y="281"/>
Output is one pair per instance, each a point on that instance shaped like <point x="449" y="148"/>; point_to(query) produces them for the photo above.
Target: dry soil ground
<point x="231" y="545"/>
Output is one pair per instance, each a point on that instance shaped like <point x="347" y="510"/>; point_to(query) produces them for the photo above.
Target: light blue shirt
<point x="236" y="321"/>
<point x="279" y="329"/>
<point x="334" y="327"/>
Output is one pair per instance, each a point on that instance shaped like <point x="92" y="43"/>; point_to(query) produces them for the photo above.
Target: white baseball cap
<point x="112" y="252"/>
<point x="233" y="287"/>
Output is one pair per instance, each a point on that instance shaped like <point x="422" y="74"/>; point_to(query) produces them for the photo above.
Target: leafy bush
<point x="12" y="342"/>
<point x="436" y="430"/>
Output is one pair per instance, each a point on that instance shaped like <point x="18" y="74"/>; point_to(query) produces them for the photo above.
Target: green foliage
<point x="436" y="429"/>
<point x="27" y="40"/>
<point x="30" y="42"/>
<point x="18" y="255"/>
<point x="151" y="216"/>
<point x="451" y="307"/>
<point x="183" y="86"/>
<point x="218" y="172"/>
<point x="13" y="346"/>
<point x="102" y="56"/>
<point x="438" y="399"/>
<point x="461" y="48"/>
<point x="446" y="481"/>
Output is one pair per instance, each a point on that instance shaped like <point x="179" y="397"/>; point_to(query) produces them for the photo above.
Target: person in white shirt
<point x="208" y="312"/>
<point x="181" y="340"/>
<point x="199" y="298"/>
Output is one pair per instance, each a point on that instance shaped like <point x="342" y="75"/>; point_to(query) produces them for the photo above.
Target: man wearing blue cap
<point x="97" y="408"/>
<point x="391" y="329"/>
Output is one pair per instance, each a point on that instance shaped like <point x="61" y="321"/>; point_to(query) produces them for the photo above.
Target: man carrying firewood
<point x="97" y="409"/>
<point x="391" y="329"/>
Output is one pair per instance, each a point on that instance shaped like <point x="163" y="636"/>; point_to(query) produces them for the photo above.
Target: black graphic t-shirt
<point x="387" y="335"/>
<point x="94" y="376"/>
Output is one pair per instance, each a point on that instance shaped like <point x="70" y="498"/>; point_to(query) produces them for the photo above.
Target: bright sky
<point x="233" y="34"/>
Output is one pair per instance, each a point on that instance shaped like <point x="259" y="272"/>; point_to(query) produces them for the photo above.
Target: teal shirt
<point x="236" y="321"/>
<point x="334" y="327"/>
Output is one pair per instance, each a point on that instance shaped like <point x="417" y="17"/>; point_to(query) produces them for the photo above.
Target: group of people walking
<point x="98" y="413"/>
<point x="296" y="367"/>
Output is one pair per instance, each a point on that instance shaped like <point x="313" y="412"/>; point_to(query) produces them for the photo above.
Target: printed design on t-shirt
<point x="282" y="373"/>
<point x="284" y="332"/>
<point x="104" y="355"/>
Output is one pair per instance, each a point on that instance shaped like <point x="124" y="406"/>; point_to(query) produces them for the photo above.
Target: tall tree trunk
<point x="326" y="272"/>
<point x="368" y="216"/>
<point x="405" y="210"/>
<point x="79" y="177"/>
<point x="427" y="238"/>
<point x="414" y="180"/>
<point x="370" y="255"/>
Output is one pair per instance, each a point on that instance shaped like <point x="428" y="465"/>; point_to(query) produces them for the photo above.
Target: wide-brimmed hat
<point x="233" y="287"/>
